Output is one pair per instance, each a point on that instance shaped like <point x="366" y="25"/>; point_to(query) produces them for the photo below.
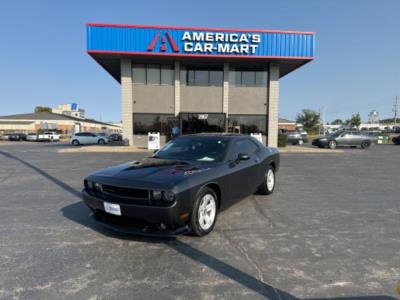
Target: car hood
<point x="149" y="172"/>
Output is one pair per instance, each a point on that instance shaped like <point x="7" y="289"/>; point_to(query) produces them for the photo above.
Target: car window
<point x="243" y="146"/>
<point x="194" y="148"/>
<point x="79" y="134"/>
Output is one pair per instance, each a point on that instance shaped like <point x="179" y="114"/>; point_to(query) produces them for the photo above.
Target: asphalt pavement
<point x="331" y="230"/>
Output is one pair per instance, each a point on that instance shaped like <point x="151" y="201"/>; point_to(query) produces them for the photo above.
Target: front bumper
<point x="138" y="219"/>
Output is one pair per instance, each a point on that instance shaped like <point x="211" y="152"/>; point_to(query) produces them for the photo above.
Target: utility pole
<point x="395" y="110"/>
<point x="319" y="115"/>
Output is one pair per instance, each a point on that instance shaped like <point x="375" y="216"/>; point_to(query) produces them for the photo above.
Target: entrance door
<point x="202" y="122"/>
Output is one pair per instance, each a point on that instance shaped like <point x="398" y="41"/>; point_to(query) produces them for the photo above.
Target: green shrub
<point x="282" y="140"/>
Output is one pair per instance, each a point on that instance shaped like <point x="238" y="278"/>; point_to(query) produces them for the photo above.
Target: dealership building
<point x="198" y="79"/>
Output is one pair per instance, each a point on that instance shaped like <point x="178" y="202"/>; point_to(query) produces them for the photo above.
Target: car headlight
<point x="169" y="196"/>
<point x="89" y="184"/>
<point x="157" y="195"/>
<point x="97" y="186"/>
<point x="323" y="140"/>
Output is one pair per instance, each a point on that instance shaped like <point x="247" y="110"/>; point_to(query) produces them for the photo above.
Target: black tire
<point x="264" y="188"/>
<point x="332" y="145"/>
<point x="75" y="143"/>
<point x="194" y="223"/>
<point x="101" y="142"/>
<point x="365" y="144"/>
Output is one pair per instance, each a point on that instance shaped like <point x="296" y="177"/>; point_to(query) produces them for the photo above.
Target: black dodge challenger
<point x="183" y="186"/>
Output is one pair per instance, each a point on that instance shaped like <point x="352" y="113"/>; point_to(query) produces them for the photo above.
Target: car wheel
<point x="101" y="142"/>
<point x="268" y="186"/>
<point x="332" y="144"/>
<point x="75" y="142"/>
<point x="204" y="214"/>
<point x="365" y="144"/>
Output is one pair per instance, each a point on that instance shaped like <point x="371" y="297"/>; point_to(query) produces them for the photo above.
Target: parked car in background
<point x="294" y="138"/>
<point x="304" y="134"/>
<point x="115" y="137"/>
<point x="87" y="138"/>
<point x="105" y="134"/>
<point x="5" y="137"/>
<point x="32" y="137"/>
<point x="183" y="186"/>
<point x="345" y="139"/>
<point x="49" y="136"/>
<point x="17" y="137"/>
<point x="396" y="140"/>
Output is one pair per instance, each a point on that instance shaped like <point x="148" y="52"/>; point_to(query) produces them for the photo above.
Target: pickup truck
<point x="48" y="137"/>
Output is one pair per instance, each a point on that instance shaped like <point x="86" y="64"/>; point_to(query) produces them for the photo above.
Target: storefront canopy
<point x="108" y="43"/>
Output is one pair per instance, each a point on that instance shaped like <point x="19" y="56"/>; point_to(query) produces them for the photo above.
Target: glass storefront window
<point x="216" y="78"/>
<point x="247" y="124"/>
<point x="243" y="77"/>
<point x="153" y="74"/>
<point x="139" y="74"/>
<point x="144" y="123"/>
<point x="248" y="78"/>
<point x="201" y="77"/>
<point x="202" y="122"/>
<point x="167" y="75"/>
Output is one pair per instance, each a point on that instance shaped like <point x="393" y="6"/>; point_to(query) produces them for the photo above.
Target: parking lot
<point x="330" y="230"/>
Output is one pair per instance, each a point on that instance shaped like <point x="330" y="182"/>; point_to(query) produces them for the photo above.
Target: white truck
<point x="48" y="137"/>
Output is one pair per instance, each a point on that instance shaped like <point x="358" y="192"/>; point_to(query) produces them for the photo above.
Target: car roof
<point x="217" y="135"/>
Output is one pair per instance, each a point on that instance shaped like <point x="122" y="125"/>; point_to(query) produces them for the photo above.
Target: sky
<point x="43" y="59"/>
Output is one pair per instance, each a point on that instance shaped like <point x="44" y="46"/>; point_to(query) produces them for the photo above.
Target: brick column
<point x="177" y="82"/>
<point x="273" y="105"/>
<point x="127" y="100"/>
<point x="225" y="93"/>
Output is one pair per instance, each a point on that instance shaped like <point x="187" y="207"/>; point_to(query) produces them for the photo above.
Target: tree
<point x="309" y="119"/>
<point x="39" y="109"/>
<point x="355" y="120"/>
<point x="337" y="122"/>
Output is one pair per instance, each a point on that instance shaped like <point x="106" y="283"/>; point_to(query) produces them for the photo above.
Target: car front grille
<point x="122" y="194"/>
<point x="126" y="192"/>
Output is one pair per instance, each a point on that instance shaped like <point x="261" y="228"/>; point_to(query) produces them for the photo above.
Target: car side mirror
<point x="243" y="156"/>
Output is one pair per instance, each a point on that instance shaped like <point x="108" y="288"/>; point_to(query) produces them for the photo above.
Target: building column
<point x="273" y="105"/>
<point x="127" y="100"/>
<point x="225" y="93"/>
<point x="177" y="94"/>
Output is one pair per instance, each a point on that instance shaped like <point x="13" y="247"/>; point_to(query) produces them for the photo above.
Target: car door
<point x="356" y="139"/>
<point x="344" y="139"/>
<point x="92" y="138"/>
<point x="84" y="138"/>
<point x="243" y="175"/>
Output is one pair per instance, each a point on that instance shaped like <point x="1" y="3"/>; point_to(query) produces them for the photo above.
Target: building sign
<point x="221" y="43"/>
<point x="156" y="40"/>
<point x="202" y="116"/>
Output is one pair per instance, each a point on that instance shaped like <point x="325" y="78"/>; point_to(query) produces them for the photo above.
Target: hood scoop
<point x="154" y="162"/>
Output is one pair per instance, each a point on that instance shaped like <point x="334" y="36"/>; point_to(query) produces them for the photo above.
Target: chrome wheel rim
<point x="207" y="211"/>
<point x="270" y="180"/>
<point x="332" y="145"/>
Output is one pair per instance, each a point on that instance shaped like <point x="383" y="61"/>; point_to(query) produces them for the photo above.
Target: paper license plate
<point x="112" y="208"/>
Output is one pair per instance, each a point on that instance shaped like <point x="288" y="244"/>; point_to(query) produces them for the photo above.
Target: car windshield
<point x="194" y="148"/>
